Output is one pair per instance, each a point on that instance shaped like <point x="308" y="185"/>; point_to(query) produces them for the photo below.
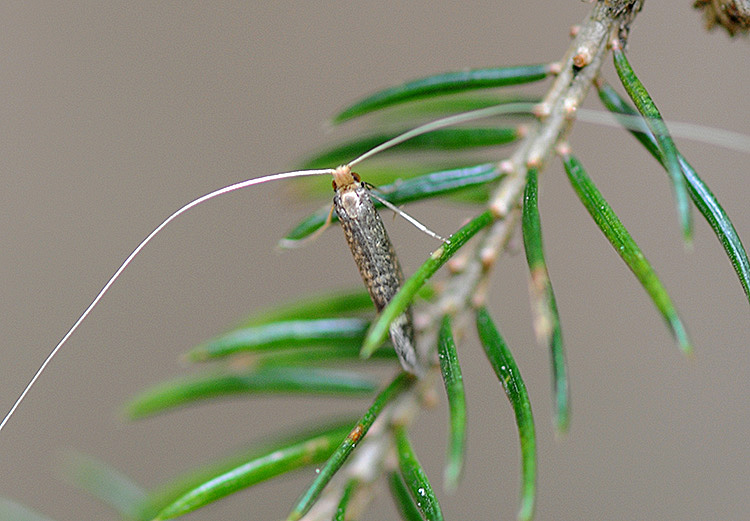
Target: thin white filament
<point x="136" y="251"/>
<point x="472" y="115"/>
<point x="418" y="225"/>
<point x="722" y="138"/>
<point x="428" y="127"/>
<point x="712" y="136"/>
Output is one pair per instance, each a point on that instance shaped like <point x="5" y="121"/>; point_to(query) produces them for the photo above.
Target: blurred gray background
<point x="115" y="114"/>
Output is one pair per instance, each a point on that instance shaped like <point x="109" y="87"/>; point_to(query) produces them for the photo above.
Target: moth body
<point x="375" y="257"/>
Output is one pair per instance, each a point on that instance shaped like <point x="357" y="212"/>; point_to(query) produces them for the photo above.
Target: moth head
<point x="343" y="177"/>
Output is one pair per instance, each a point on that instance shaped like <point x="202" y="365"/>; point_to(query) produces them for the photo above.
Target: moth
<point x="363" y="228"/>
<point x="375" y="257"/>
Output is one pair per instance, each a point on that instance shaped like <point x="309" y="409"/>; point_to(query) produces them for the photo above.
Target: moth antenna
<point x="192" y="204"/>
<point x="434" y="125"/>
<point x="409" y="218"/>
<point x="704" y="134"/>
<point x="463" y="117"/>
<point x="718" y="137"/>
<point x="713" y="136"/>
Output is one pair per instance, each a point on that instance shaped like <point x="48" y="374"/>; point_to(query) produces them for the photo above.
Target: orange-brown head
<point x="343" y="177"/>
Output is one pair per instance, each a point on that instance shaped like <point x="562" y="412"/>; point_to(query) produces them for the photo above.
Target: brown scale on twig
<point x="732" y="15"/>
